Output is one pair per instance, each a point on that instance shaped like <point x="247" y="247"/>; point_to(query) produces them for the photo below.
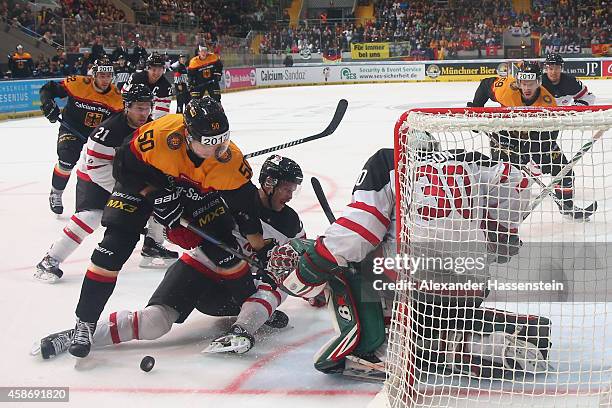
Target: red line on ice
<point x="249" y="372"/>
<point x="17" y="186"/>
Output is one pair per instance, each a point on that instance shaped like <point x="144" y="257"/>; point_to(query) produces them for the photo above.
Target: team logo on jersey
<point x="547" y="99"/>
<point x="87" y="80"/>
<point x="174" y="140"/>
<point x="223" y="157"/>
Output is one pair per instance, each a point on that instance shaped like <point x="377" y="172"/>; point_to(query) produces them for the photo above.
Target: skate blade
<point x="35" y="350"/>
<point x="44" y="277"/>
<point x="156" y="263"/>
<point x="216" y="348"/>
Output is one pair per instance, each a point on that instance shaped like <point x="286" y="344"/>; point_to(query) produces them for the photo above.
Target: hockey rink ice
<point x="278" y="371"/>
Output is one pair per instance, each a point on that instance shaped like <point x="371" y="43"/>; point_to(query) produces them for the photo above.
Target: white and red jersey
<point x="96" y="164"/>
<point x="569" y="91"/>
<point x="454" y="193"/>
<point x="161" y="90"/>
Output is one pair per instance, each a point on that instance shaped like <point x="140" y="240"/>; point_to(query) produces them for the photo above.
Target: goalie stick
<point x="316" y="186"/>
<point x="331" y="128"/>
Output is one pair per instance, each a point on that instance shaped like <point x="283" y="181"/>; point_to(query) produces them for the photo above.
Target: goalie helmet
<point x="156" y="60"/>
<point x="136" y="93"/>
<point x="205" y="121"/>
<point x="554" y="59"/>
<point x="421" y="141"/>
<point x="102" y="64"/>
<point x="277" y="168"/>
<point x="529" y="71"/>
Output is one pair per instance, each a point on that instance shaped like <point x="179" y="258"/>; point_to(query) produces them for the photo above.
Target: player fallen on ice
<point x="176" y="166"/>
<point x="539" y="147"/>
<point x="483" y="201"/>
<point x="195" y="282"/>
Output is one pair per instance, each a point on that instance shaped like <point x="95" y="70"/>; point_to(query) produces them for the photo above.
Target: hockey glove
<point x="51" y="111"/>
<point x="301" y="256"/>
<point x="167" y="207"/>
<point x="263" y="254"/>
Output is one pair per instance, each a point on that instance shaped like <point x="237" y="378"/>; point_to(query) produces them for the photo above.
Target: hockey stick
<point x="586" y="212"/>
<point x="73" y="130"/>
<point x="260" y="274"/>
<point x="316" y="186"/>
<point x="331" y="128"/>
<point x="566" y="169"/>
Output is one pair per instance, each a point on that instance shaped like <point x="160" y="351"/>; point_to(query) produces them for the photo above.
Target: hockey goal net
<point x="563" y="304"/>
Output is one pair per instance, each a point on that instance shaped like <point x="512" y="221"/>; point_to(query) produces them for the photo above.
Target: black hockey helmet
<point x="277" y="168"/>
<point x="553" y="59"/>
<point x="205" y="119"/>
<point x="136" y="93"/>
<point x="529" y="71"/>
<point x="102" y="64"/>
<point x="156" y="60"/>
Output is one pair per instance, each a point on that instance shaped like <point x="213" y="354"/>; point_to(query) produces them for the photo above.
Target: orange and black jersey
<point x="203" y="71"/>
<point x="86" y="107"/>
<point x="20" y="64"/>
<point x="506" y="92"/>
<point x="157" y="155"/>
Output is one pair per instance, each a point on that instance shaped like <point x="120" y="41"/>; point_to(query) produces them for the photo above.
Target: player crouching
<point x="451" y="330"/>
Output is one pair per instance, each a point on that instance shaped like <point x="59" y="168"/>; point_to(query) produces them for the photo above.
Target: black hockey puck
<point x="147" y="363"/>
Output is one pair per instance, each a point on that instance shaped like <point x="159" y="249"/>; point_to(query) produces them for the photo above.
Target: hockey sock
<point x="148" y="324"/>
<point x="80" y="226"/>
<point x="60" y="178"/>
<point x="256" y="310"/>
<point x="95" y="292"/>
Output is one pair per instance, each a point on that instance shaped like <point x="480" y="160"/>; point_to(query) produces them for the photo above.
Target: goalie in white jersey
<point x="459" y="197"/>
<point x="193" y="282"/>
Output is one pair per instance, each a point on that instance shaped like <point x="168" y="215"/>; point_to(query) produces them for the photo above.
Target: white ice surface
<point x="278" y="371"/>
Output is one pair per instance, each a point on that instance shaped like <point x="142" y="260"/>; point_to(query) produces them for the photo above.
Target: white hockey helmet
<point x="422" y="141"/>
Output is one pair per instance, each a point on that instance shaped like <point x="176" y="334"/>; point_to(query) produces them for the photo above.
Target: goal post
<point x="556" y="292"/>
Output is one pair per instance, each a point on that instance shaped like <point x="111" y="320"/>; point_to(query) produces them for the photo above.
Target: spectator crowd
<point x="435" y="30"/>
<point x="421" y="28"/>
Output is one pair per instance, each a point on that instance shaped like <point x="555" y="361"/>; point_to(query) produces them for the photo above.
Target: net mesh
<point x="508" y="339"/>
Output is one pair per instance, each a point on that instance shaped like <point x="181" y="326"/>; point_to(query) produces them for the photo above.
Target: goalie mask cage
<point x="577" y="342"/>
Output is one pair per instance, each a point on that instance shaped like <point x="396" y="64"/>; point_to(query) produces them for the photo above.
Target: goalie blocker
<point x="460" y="336"/>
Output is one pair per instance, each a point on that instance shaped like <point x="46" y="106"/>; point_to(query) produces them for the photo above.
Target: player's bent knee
<point x="115" y="248"/>
<point x="155" y="321"/>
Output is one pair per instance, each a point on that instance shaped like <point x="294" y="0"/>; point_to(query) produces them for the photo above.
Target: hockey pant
<point x="213" y="88"/>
